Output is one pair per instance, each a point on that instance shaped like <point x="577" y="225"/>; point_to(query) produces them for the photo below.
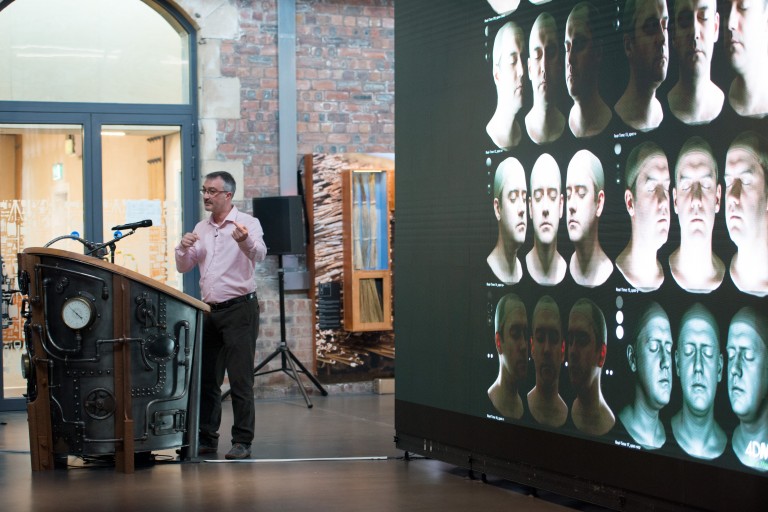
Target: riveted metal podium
<point x="112" y="362"/>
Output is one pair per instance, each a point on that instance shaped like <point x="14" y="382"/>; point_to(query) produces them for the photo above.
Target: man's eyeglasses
<point x="210" y="192"/>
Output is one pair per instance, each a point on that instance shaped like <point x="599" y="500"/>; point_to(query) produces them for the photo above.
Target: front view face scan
<point x="696" y="193"/>
<point x="696" y="31"/>
<point x="746" y="211"/>
<point x="547" y="343"/>
<point x="748" y="384"/>
<point x="546" y="201"/>
<point x="547" y="352"/>
<point x="698" y="360"/>
<point x="650" y="358"/>
<point x="695" y="99"/>
<point x="699" y="366"/>
<point x="545" y="206"/>
<point x="696" y="197"/>
<point x="508" y="75"/>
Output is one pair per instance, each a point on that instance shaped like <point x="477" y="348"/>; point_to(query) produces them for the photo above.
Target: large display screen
<point x="582" y="229"/>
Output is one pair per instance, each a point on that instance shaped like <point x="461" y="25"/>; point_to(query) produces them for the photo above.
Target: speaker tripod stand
<point x="289" y="362"/>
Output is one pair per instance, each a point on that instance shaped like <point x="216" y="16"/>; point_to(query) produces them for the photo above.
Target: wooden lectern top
<point x="117" y="269"/>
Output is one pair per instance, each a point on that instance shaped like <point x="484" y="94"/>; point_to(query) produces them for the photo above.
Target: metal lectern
<point x="113" y="360"/>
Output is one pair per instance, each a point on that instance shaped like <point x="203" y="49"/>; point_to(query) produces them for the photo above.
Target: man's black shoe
<point x="206" y="448"/>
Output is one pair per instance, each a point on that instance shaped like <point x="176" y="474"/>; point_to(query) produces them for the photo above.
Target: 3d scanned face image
<point x="586" y="352"/>
<point x="546" y="200"/>
<point x="544" y="58"/>
<point x="746" y="211"/>
<point x="584" y="195"/>
<point x="745" y="40"/>
<point x="699" y="366"/>
<point x="747" y="353"/>
<point x="695" y="99"/>
<point x="510" y="208"/>
<point x="647" y="201"/>
<point x="650" y="199"/>
<point x="512" y="335"/>
<point x="696" y="197"/>
<point x="583" y="60"/>
<point x="511" y="201"/>
<point x="508" y="77"/>
<point x="651" y="359"/>
<point x="511" y="339"/>
<point x="547" y="344"/>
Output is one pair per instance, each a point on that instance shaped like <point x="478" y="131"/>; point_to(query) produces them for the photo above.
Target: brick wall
<point x="345" y="103"/>
<point x="346" y="76"/>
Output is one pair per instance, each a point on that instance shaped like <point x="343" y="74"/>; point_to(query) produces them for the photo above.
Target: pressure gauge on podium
<point x="78" y="313"/>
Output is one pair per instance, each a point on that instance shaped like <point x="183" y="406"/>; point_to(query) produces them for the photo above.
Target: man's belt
<point x="218" y="306"/>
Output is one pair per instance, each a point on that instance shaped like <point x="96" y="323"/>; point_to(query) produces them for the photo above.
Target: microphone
<point x="133" y="225"/>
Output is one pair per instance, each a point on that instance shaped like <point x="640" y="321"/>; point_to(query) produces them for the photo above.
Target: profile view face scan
<point x="746" y="40"/>
<point x="583" y="57"/>
<point x="695" y="99"/>
<point x="647" y="201"/>
<point x="587" y="347"/>
<point x="545" y="206"/>
<point x="585" y="199"/>
<point x="746" y="211"/>
<point x="649" y="354"/>
<point x="748" y="384"/>
<point x="511" y="326"/>
<point x="547" y="351"/>
<point x="696" y="196"/>
<point x="508" y="75"/>
<point x="544" y="122"/>
<point x="510" y="209"/>
<point x="646" y="46"/>
<point x="699" y="366"/>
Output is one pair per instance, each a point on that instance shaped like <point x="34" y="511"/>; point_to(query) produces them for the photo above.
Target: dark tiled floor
<point x="339" y="455"/>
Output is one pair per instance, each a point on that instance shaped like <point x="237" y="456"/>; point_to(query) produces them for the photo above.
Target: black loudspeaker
<point x="282" y="218"/>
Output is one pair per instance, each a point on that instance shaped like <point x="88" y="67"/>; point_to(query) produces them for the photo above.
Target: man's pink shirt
<point x="224" y="272"/>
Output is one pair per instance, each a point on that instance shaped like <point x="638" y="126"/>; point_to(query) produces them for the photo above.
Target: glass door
<point x="85" y="180"/>
<point x="41" y="169"/>
<point x="141" y="181"/>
